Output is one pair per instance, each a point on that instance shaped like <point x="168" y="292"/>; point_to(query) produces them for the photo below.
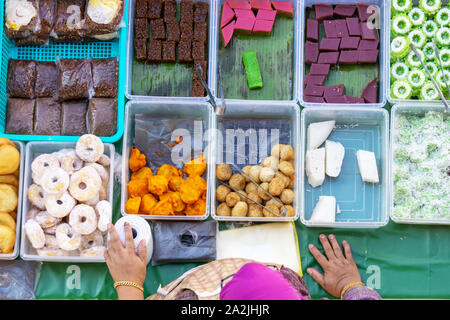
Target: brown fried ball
<point x="222" y="192"/>
<point x="223" y="172"/>
<point x="254" y="196"/>
<point x="251" y="187"/>
<point x="254" y="173"/>
<point x="232" y="198"/>
<point x="273" y="208"/>
<point x="275" y="151"/>
<point x="255" y="211"/>
<point x="271" y="162"/>
<point x="243" y="195"/>
<point x="223" y="210"/>
<point x="266" y="174"/>
<point x="285" y="179"/>
<point x="240" y="209"/>
<point x="277" y="203"/>
<point x="291" y="182"/>
<point x="287" y="196"/>
<point x="286" y="152"/>
<point x="287" y="168"/>
<point x="262" y="194"/>
<point x="290" y="212"/>
<point x="276" y="186"/>
<point x="237" y="181"/>
<point x="246" y="170"/>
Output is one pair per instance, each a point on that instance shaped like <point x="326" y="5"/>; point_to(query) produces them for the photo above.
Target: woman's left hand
<point x="124" y="264"/>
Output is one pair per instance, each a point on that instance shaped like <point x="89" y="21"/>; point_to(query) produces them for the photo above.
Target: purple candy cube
<point x="336" y="99"/>
<point x="350" y="43"/>
<point x="313" y="99"/>
<point x="363" y="11"/>
<point x="344" y="10"/>
<point x="368" y="44"/>
<point x="319" y="69"/>
<point x="312" y="29"/>
<point x="330" y="28"/>
<point x="341" y="28"/>
<point x="328" y="57"/>
<point x="337" y="90"/>
<point x="353" y="26"/>
<point x="370" y="92"/>
<point x="314" y="90"/>
<point x="331" y="44"/>
<point x="323" y="11"/>
<point x="348" y="57"/>
<point x="366" y="56"/>
<point x="312" y="79"/>
<point x="367" y="33"/>
<point x="311" y="52"/>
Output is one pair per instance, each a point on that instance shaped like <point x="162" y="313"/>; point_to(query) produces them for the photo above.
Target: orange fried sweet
<point x="132" y="205"/>
<point x="142" y="173"/>
<point x="198" y="183"/>
<point x="167" y="170"/>
<point x="195" y="167"/>
<point x="137" y="160"/>
<point x="188" y="193"/>
<point x="198" y="208"/>
<point x="175" y="199"/>
<point x="175" y="182"/>
<point x="163" y="207"/>
<point x="158" y="185"/>
<point x="137" y="188"/>
<point x="147" y="203"/>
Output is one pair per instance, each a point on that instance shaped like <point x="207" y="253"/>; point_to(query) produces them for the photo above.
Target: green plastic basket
<point x="78" y="50"/>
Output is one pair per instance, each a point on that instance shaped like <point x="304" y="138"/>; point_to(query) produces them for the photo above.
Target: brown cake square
<point x="105" y="77"/>
<point x="187" y="30"/>
<point x="198" y="50"/>
<point x="201" y="11"/>
<point x="184" y="51"/>
<point x="21" y="78"/>
<point x="73" y="118"/>
<point x="170" y="11"/>
<point x="173" y="31"/>
<point x="154" y="51"/>
<point x="102" y="117"/>
<point x="19" y="116"/>
<point x="158" y="29"/>
<point x="154" y="9"/>
<point x="141" y="28"/>
<point x="47" y="117"/>
<point x="141" y="9"/>
<point x="140" y="49"/>
<point x="197" y="89"/>
<point x="200" y="31"/>
<point x="187" y="11"/>
<point x="169" y="51"/>
<point x="46" y="74"/>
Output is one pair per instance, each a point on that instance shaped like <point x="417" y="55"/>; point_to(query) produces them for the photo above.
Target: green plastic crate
<point x="78" y="50"/>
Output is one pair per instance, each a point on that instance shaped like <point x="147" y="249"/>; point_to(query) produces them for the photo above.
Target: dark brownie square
<point x="170" y="10"/>
<point x="201" y="11"/>
<point x="21" y="78"/>
<point x="154" y="51"/>
<point x="73" y="118"/>
<point x="198" y="50"/>
<point x="169" y="53"/>
<point x="158" y="29"/>
<point x="46" y="75"/>
<point x="197" y="89"/>
<point x="19" y="116"/>
<point x="154" y="9"/>
<point x="204" y="65"/>
<point x="173" y="31"/>
<point x="201" y="31"/>
<point x="140" y="49"/>
<point x="141" y="28"/>
<point x="187" y="10"/>
<point x="47" y="118"/>
<point x="184" y="51"/>
<point x="102" y="116"/>
<point x="141" y="9"/>
<point x="187" y="30"/>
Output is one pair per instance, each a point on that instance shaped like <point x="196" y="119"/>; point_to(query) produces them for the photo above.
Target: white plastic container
<point x="383" y="59"/>
<point x="20" y="146"/>
<point x="33" y="149"/>
<point x="289" y="114"/>
<point x="176" y="108"/>
<point x="211" y="56"/>
<point x="362" y="205"/>
<point x="397" y="109"/>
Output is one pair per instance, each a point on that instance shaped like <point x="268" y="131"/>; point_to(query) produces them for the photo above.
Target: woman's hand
<point x="339" y="271"/>
<point x="124" y="264"/>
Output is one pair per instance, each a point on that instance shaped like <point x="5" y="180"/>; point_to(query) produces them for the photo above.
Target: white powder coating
<point x="103" y="11"/>
<point x="19" y="13"/>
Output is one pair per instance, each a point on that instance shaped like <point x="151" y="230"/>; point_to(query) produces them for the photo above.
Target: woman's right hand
<point x="339" y="270"/>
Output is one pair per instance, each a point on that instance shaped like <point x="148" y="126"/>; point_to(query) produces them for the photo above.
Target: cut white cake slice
<point x="334" y="155"/>
<point x="318" y="132"/>
<point x="325" y="210"/>
<point x="315" y="166"/>
<point x="367" y="166"/>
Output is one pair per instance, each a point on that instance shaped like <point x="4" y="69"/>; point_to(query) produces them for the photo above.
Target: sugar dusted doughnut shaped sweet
<point x="94" y="239"/>
<point x="83" y="219"/>
<point x="89" y="148"/>
<point x="92" y="202"/>
<point x="67" y="238"/>
<point x="104" y="160"/>
<point x="52" y="252"/>
<point x="55" y="180"/>
<point x="44" y="162"/>
<point x="51" y="230"/>
<point x="46" y="220"/>
<point x="35" y="234"/>
<point x="104" y="210"/>
<point x="85" y="184"/>
<point x="36" y="195"/>
<point x="59" y="205"/>
<point x="104" y="175"/>
<point x="50" y="241"/>
<point x="71" y="162"/>
<point x="93" y="252"/>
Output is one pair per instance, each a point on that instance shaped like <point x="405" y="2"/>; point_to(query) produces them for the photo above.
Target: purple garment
<point x="361" y="293"/>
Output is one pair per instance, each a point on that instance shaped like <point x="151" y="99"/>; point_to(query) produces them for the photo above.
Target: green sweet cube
<point x="251" y="66"/>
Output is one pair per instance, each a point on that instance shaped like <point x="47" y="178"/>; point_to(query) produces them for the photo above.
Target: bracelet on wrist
<point x="128" y="284"/>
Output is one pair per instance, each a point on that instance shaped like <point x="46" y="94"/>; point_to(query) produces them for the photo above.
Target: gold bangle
<point x="349" y="286"/>
<point x="128" y="284"/>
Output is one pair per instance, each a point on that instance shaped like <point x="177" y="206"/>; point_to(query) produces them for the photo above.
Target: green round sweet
<point x="399" y="48"/>
<point x="401" y="89"/>
<point x="399" y="70"/>
<point x="431" y="67"/>
<point x="428" y="92"/>
<point x="417" y="16"/>
<point x="401" y="24"/>
<point x="443" y="37"/>
<point x="430" y="7"/>
<point x="413" y="61"/>
<point x="444" y="55"/>
<point x="443" y="17"/>
<point x="401" y="5"/>
<point x="416" y="78"/>
<point x="417" y="37"/>
<point x="442" y="78"/>
<point x="428" y="51"/>
<point x="430" y="28"/>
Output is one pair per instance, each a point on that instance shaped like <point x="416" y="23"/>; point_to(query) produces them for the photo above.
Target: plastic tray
<point x="20" y="146"/>
<point x="388" y="69"/>
<point x="295" y="54"/>
<point x="77" y="50"/>
<point x="211" y="57"/>
<point x="417" y="108"/>
<point x="362" y="205"/>
<point x="182" y="109"/>
<point x="286" y="112"/>
<point x="33" y="149"/>
<point x="383" y="60"/>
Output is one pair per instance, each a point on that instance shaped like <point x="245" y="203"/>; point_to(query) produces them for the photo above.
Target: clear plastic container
<point x="286" y="113"/>
<point x="33" y="149"/>
<point x="181" y="109"/>
<point x="383" y="59"/>
<point x="211" y="56"/>
<point x="362" y="205"/>
<point x="21" y="147"/>
<point x="296" y="49"/>
<point x="397" y="109"/>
